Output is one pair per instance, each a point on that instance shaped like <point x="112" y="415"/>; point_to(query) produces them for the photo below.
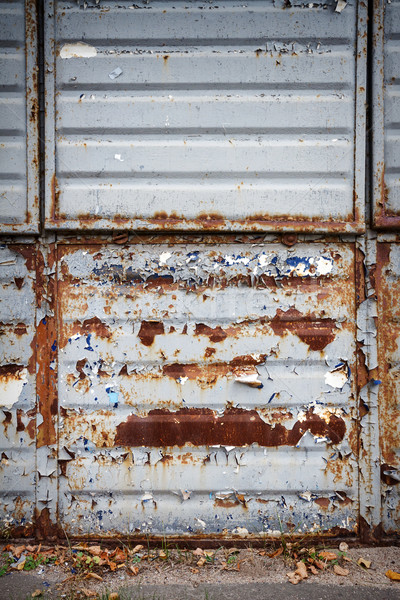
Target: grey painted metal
<point x="207" y="388"/>
<point x="205" y="116"/>
<point x="386" y="114"/>
<point x="19" y="171"/>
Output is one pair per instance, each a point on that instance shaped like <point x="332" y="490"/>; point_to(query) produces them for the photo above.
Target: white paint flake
<point x="78" y="50"/>
<point x="116" y="73"/>
<point x="340" y="5"/>
<point x="11" y="388"/>
<point x="338" y="377"/>
<point x="164" y="256"/>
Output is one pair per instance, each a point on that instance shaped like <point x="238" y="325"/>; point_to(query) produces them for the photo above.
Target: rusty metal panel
<point x="388" y="280"/>
<point x="386" y="115"/>
<point x="207" y="387"/>
<point x="199" y="115"/>
<point x="19" y="171"/>
<point x="18" y="395"/>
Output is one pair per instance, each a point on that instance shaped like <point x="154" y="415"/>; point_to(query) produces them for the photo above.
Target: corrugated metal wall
<point x="213" y="383"/>
<point x="19" y="176"/>
<point x="200" y="115"/>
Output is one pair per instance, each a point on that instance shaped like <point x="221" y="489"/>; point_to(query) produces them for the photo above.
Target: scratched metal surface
<point x="17" y="385"/>
<point x="207" y="387"/>
<point x="19" y="176"/>
<point x="389" y="374"/>
<point x="190" y="114"/>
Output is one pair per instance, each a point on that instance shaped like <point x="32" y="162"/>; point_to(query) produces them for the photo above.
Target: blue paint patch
<point x="44" y="321"/>
<point x="272" y="397"/>
<point x="54" y="346"/>
<point x="376" y="381"/>
<point x="112" y="396"/>
<point x="89" y="347"/>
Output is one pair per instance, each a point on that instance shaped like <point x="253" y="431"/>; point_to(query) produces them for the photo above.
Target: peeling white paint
<point x="340" y="5"/>
<point x="241" y="531"/>
<point x="11" y="388"/>
<point x="164" y="256"/>
<point x="338" y="377"/>
<point x="78" y="50"/>
<point x="250" y="379"/>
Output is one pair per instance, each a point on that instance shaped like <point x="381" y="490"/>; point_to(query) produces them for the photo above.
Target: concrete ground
<point x="20" y="586"/>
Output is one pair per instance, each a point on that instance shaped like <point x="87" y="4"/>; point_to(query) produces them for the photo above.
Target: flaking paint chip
<point x="116" y="73"/>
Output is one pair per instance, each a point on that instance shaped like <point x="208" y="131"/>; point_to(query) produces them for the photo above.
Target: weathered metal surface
<point x="195" y="115"/>
<point x="206" y="387"/>
<point x="386" y="115"/>
<point x="19" y="170"/>
<point x="388" y="285"/>
<point x="17" y="389"/>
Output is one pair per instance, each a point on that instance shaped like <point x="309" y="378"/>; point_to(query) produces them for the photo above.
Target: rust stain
<point x="316" y="333"/>
<point x="148" y="331"/>
<point x="236" y="427"/>
<point x="216" y="334"/>
<point x="46" y="382"/>
<point x="92" y="326"/>
<point x="55" y="197"/>
<point x="45" y="528"/>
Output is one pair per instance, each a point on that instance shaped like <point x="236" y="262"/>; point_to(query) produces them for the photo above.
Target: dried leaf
<point x="340" y="571"/>
<point x="393" y="575"/>
<point x="162" y="555"/>
<point x="363" y="562"/>
<point x="313" y="570"/>
<point x="198" y="552"/>
<point x="136" y="549"/>
<point x="301" y="570"/>
<point x="321" y="565"/>
<point x="18" y="551"/>
<point x="293" y="577"/>
<point x="327" y="555"/>
<point x="343" y="547"/>
<point x="95" y="550"/>
<point x="201" y="562"/>
<point x="276" y="553"/>
<point x="347" y="559"/>
<point x="93" y="576"/>
<point x="133" y="570"/>
<point x="31" y="549"/>
<point x="36" y="594"/>
<point x="112" y="565"/>
<point x="208" y="553"/>
<point x="88" y="593"/>
<point x="236" y="550"/>
<point x="113" y="596"/>
<point x="193" y="570"/>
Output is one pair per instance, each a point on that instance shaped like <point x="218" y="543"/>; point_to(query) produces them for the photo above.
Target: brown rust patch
<point x="216" y="334"/>
<point x="149" y="330"/>
<point x="12" y="370"/>
<point x="236" y="427"/>
<point x="45" y="528"/>
<point x="323" y="503"/>
<point x="19" y="282"/>
<point x="316" y="333"/>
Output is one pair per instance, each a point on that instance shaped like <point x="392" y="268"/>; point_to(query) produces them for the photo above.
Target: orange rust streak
<point x="236" y="427"/>
<point x="46" y="383"/>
